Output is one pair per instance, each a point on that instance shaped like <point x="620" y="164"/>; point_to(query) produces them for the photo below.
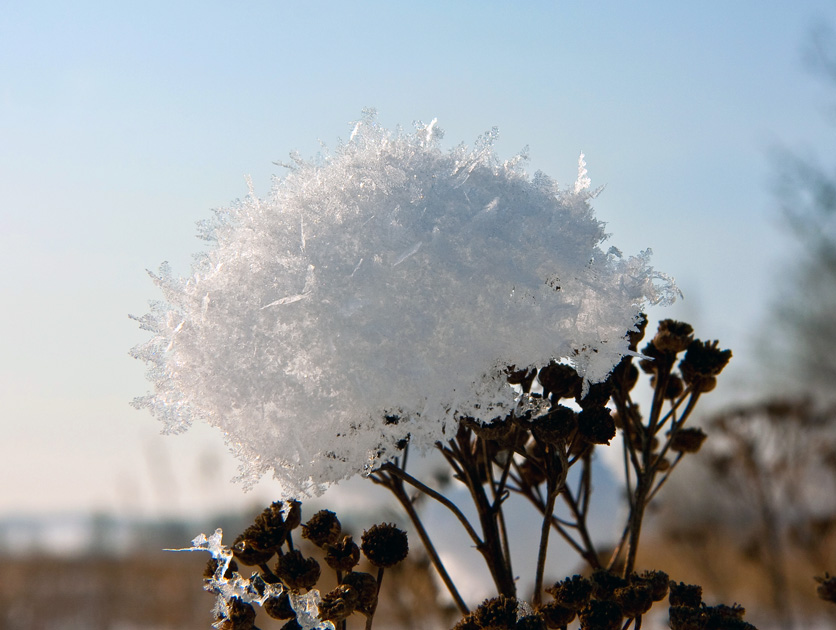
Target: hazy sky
<point x="121" y="124"/>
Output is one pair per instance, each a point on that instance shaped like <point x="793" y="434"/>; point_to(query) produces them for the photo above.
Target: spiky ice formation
<point x="389" y="279"/>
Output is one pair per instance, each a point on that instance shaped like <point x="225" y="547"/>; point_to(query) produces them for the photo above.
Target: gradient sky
<point x="122" y="124"/>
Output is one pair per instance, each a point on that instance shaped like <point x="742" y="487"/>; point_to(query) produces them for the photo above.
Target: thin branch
<point x="405" y="476"/>
<point x="545" y="529"/>
<point x="396" y="486"/>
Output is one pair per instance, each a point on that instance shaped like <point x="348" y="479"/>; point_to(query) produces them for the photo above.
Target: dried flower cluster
<point x="284" y="581"/>
<point x="394" y="297"/>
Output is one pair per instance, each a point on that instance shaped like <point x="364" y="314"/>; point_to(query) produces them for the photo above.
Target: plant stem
<point x="396" y="487"/>
<point x="370" y="617"/>
<point x="545" y="529"/>
<point x="412" y="481"/>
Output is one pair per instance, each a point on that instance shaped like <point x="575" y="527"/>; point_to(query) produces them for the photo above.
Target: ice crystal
<point x="390" y="279"/>
<point x="252" y="590"/>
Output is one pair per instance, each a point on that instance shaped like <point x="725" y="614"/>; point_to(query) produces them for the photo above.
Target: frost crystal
<point x="377" y="294"/>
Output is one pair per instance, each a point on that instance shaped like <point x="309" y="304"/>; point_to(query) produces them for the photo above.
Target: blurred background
<point x="710" y="126"/>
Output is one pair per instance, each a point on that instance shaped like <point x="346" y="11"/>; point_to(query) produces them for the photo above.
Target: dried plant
<point x="393" y="298"/>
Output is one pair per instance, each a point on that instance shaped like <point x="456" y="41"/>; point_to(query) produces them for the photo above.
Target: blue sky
<point x="122" y="124"/>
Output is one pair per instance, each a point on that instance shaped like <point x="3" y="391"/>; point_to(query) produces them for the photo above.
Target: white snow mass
<point x="390" y="279"/>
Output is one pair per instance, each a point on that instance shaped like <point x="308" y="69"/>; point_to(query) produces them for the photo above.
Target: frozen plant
<point x="393" y="296"/>
<point x="380" y="294"/>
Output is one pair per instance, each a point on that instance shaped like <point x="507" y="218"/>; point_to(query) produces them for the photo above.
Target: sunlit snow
<point x="389" y="278"/>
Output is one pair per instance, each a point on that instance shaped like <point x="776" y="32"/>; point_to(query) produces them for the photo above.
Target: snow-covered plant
<point x="378" y="295"/>
<point x="394" y="296"/>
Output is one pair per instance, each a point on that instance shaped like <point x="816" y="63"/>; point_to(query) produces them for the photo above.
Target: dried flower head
<point x="604" y="584"/>
<point x="348" y="295"/>
<point x="596" y="425"/>
<point x="239" y="616"/>
<point x="688" y="440"/>
<point x="530" y="622"/>
<point x="556" y="426"/>
<point x="560" y="381"/>
<point x="261" y="540"/>
<point x="687" y="595"/>
<point x="635" y="599"/>
<point x="322" y="529"/>
<point x="658" y="582"/>
<point x="702" y="363"/>
<point x="673" y="337"/>
<point x="279" y="607"/>
<point x="365" y="586"/>
<point x="826" y="589"/>
<point x="556" y="616"/>
<point x="497" y="612"/>
<point x="342" y="555"/>
<point x="601" y="615"/>
<point x="685" y="618"/>
<point x="338" y="604"/>
<point x="297" y="571"/>
<point x="468" y="622"/>
<point x="384" y="545"/>
<point x="572" y="593"/>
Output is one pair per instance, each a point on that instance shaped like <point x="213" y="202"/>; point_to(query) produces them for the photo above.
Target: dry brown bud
<point x="343" y="555"/>
<point x="297" y="571"/>
<point x="688" y="440"/>
<point x="322" y="529"/>
<point x="384" y="545"/>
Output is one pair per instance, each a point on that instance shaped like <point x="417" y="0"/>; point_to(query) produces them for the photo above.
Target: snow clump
<point x="377" y="295"/>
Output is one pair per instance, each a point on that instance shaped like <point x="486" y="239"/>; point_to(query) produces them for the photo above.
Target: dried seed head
<point x="688" y="595"/>
<point x="658" y="582"/>
<point x="674" y="387"/>
<point x="557" y="616"/>
<point x="263" y="538"/>
<point x="560" y="381"/>
<point x="702" y="363"/>
<point x="596" y="425"/>
<point x="497" y="612"/>
<point x="240" y="616"/>
<point x="598" y="395"/>
<point x="322" y="529"/>
<point x="384" y="545"/>
<point x="293" y="516"/>
<point x="530" y="622"/>
<point x="279" y="607"/>
<point x="497" y="430"/>
<point x="635" y="599"/>
<point x="572" y="593"/>
<point x="246" y="551"/>
<point x="468" y="622"/>
<point x="688" y="440"/>
<point x="655" y="358"/>
<point x="365" y="586"/>
<point x="629" y="375"/>
<point x="343" y="555"/>
<point x="826" y="589"/>
<point x="685" y="618"/>
<point x="672" y="336"/>
<point x="297" y="571"/>
<point x="604" y="584"/>
<point x="338" y="604"/>
<point x="601" y="615"/>
<point x="556" y="426"/>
